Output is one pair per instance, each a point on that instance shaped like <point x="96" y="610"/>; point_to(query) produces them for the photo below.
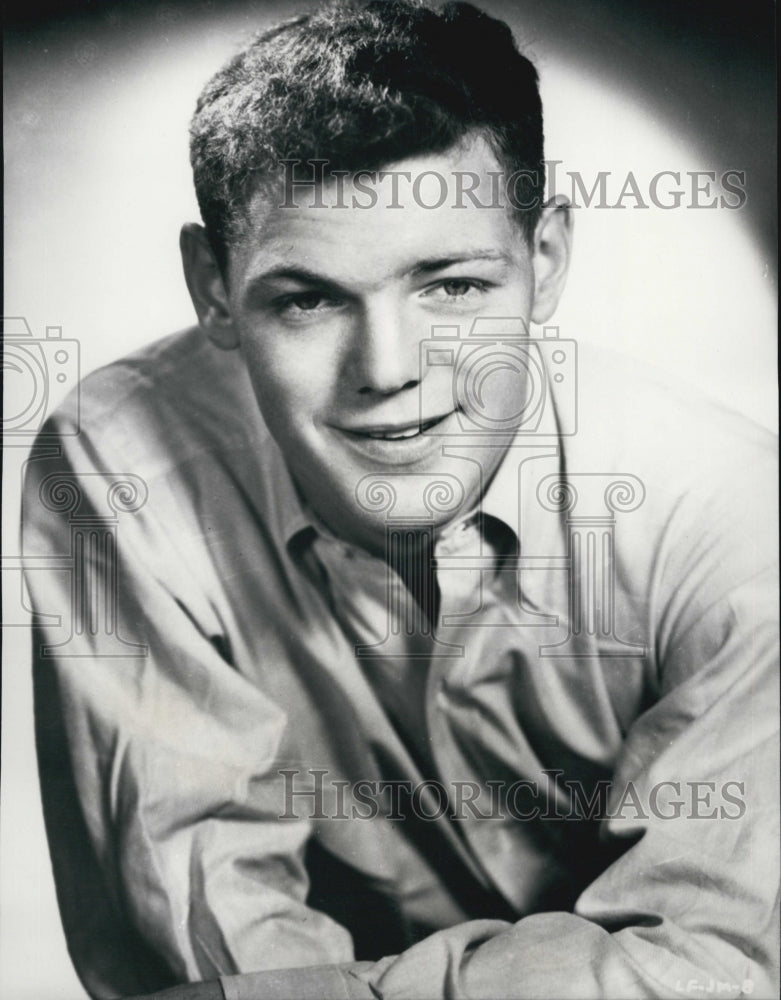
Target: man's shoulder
<point x="174" y="398"/>
<point x="703" y="477"/>
<point x="636" y="417"/>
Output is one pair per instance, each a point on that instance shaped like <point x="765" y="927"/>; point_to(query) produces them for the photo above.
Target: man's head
<point x="361" y="86"/>
<point x="332" y="299"/>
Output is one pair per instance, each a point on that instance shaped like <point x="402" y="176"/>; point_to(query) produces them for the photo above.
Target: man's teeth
<point x="401" y="435"/>
<point x="395" y="435"/>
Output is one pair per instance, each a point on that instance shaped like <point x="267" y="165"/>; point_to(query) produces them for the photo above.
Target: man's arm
<point x="190" y="854"/>
<point x="159" y="761"/>
<point x="211" y="990"/>
<point x="690" y="907"/>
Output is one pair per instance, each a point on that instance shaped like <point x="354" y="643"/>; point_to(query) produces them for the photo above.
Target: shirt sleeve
<point x="158" y="760"/>
<point x="330" y="982"/>
<point x="690" y="908"/>
<point x="191" y="855"/>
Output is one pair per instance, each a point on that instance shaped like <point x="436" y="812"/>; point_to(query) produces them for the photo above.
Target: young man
<point x="400" y="653"/>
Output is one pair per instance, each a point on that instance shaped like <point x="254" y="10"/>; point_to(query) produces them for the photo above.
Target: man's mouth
<point x="400" y="432"/>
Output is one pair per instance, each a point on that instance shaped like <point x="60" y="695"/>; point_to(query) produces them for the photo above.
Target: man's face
<point x="331" y="305"/>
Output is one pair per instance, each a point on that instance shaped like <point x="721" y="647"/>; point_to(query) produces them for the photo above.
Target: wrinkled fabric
<point x="592" y="807"/>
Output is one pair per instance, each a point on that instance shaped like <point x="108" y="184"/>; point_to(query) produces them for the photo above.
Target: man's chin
<point x="359" y="499"/>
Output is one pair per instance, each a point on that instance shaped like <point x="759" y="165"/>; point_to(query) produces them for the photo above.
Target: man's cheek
<point x="277" y="376"/>
<point x="303" y="373"/>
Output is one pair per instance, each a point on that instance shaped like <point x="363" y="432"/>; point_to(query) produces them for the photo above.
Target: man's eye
<point x="457" y="290"/>
<point x="304" y="302"/>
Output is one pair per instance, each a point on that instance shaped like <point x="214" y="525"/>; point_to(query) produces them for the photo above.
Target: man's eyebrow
<point x="439" y="263"/>
<point x="301" y="274"/>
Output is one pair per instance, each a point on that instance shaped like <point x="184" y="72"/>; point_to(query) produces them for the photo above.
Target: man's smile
<point x="397" y="444"/>
<point x="398" y="431"/>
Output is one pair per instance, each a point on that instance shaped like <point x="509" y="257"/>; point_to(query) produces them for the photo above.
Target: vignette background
<point x="97" y="184"/>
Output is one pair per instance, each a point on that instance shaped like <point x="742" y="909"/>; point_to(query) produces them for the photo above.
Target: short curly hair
<point x="361" y="85"/>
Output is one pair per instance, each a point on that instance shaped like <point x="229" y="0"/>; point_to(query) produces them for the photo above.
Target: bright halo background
<point x="97" y="184"/>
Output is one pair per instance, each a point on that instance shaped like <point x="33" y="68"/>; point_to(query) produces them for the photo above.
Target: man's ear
<point x="207" y="288"/>
<point x="552" y="241"/>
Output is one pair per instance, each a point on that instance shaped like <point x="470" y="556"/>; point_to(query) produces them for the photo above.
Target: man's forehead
<point x="436" y="200"/>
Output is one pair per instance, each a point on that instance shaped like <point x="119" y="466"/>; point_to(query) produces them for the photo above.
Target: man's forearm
<point x="322" y="982"/>
<point x="211" y="990"/>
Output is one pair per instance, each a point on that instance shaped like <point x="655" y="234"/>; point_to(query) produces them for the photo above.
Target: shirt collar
<point x="292" y="517"/>
<point x="502" y="500"/>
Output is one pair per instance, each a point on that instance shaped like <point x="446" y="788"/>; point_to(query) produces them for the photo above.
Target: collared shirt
<point x="260" y="752"/>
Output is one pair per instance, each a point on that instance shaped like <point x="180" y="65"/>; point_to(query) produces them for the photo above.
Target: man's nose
<point x="385" y="351"/>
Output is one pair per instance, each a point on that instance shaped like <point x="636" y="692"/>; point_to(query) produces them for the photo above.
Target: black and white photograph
<point x="390" y="505"/>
